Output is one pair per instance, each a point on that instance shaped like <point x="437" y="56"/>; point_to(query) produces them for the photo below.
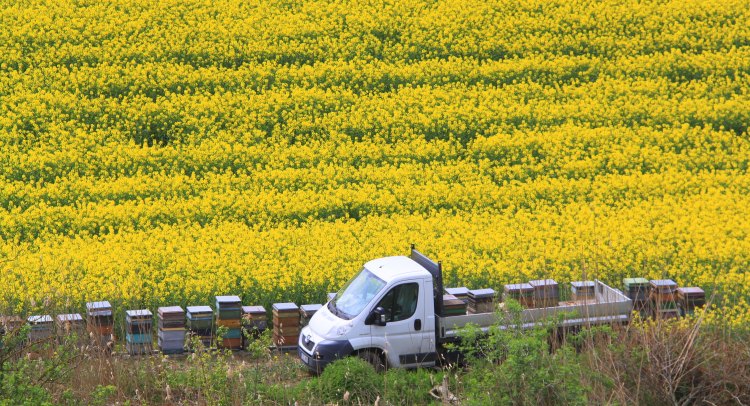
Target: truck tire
<point x="373" y="358"/>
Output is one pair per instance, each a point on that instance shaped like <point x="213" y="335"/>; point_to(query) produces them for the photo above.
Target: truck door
<point x="402" y="336"/>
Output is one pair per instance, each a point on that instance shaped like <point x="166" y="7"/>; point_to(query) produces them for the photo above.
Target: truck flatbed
<point x="608" y="306"/>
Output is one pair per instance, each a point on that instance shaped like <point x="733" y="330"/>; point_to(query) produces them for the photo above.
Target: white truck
<point x="391" y="314"/>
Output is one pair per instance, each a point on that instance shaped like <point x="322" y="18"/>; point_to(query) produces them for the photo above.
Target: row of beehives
<point x="228" y="325"/>
<point x="537" y="293"/>
<point x="224" y="326"/>
<point x="660" y="298"/>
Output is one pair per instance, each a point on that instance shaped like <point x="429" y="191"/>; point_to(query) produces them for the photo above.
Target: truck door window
<point x="400" y="303"/>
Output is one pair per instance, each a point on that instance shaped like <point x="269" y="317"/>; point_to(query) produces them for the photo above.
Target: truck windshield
<point x="355" y="295"/>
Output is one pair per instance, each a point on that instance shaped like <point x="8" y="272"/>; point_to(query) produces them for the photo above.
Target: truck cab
<point x="385" y="314"/>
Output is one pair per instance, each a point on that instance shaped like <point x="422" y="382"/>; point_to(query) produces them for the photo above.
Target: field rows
<point x="165" y="152"/>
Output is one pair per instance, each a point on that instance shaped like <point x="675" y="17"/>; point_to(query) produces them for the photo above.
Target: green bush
<point x="25" y="368"/>
<point x="258" y="343"/>
<point x="17" y="387"/>
<point x="411" y="387"/>
<point x="205" y="375"/>
<point x="352" y="375"/>
<point x="514" y="366"/>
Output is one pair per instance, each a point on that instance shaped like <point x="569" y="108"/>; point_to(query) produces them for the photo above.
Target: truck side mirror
<point x="376" y="317"/>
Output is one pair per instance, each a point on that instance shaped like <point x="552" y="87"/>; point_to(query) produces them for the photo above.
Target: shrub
<point x="352" y="375"/>
<point x="411" y="387"/>
<point x="28" y="368"/>
<point x="509" y="365"/>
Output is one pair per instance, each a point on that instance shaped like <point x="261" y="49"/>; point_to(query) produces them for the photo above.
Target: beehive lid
<point x="460" y="291"/>
<point x="171" y="310"/>
<point x="228" y="299"/>
<point x="140" y="313"/>
<point x="663" y="283"/>
<point x="691" y="291"/>
<point x="628" y="282"/>
<point x="331" y="295"/>
<point x="482" y="293"/>
<point x="519" y="287"/>
<point x="103" y="305"/>
<point x="285" y="307"/>
<point x="40" y="319"/>
<point x="69" y="317"/>
<point x="253" y="310"/>
<point x="310" y="308"/>
<point x="582" y="284"/>
<point x="199" y="309"/>
<point x="540" y="283"/>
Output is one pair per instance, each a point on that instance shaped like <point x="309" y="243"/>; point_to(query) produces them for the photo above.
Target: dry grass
<point x="681" y="362"/>
<point x="664" y="362"/>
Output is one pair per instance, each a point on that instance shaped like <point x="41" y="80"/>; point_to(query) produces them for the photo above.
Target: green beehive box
<point x="636" y="288"/>
<point x="635" y="282"/>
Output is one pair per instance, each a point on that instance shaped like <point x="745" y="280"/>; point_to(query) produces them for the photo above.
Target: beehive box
<point x="42" y="327"/>
<point x="138" y="338"/>
<point x="254" y="318"/>
<point x="481" y="301"/>
<point x="583" y="290"/>
<point x="200" y="323"/>
<point x="69" y="325"/>
<point x="100" y="324"/>
<point x="636" y="289"/>
<point x="254" y="323"/>
<point x="663" y="290"/>
<point x="306" y="312"/>
<point x="546" y="292"/>
<point x="171" y="335"/>
<point x="521" y="292"/>
<point x="453" y="306"/>
<point x="690" y="298"/>
<point x="286" y="323"/>
<point x="229" y="316"/>
<point x="9" y="325"/>
<point x="461" y="293"/>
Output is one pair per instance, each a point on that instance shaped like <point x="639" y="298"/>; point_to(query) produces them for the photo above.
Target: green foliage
<point x="17" y="387"/>
<point x="102" y="394"/>
<point x="205" y="375"/>
<point x="221" y="331"/>
<point x="588" y="336"/>
<point x="258" y="343"/>
<point x="510" y="365"/>
<point x="302" y="392"/>
<point x="409" y="387"/>
<point x="477" y="345"/>
<point x="352" y="375"/>
<point x="27" y="368"/>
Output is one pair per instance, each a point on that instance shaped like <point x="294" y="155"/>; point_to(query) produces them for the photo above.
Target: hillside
<point x="163" y="152"/>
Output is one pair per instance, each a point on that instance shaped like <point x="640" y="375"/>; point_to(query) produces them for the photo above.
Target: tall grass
<point x="687" y="361"/>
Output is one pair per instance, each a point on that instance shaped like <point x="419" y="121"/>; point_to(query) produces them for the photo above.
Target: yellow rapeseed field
<point x="161" y="152"/>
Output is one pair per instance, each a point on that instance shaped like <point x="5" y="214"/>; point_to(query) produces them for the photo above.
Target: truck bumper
<point x="324" y="353"/>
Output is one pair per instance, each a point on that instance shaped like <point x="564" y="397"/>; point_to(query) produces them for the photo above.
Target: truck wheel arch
<point x="373" y="356"/>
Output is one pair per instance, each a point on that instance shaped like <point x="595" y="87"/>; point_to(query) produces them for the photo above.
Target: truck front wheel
<point x="374" y="358"/>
